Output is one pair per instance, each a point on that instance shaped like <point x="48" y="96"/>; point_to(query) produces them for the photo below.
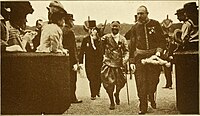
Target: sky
<point x="100" y="11"/>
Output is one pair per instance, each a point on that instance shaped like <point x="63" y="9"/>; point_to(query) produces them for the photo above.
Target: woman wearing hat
<point x="16" y="24"/>
<point x="115" y="58"/>
<point x="52" y="35"/>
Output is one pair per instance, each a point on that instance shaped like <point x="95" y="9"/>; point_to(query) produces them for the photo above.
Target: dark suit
<point x="70" y="44"/>
<point x="93" y="63"/>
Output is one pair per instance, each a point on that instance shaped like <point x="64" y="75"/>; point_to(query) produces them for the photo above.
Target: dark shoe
<point x="98" y="95"/>
<point x="117" y="99"/>
<point x="93" y="98"/>
<point x="141" y="112"/>
<point x="112" y="106"/>
<point x="77" y="101"/>
<point x="153" y="105"/>
<point x="170" y="87"/>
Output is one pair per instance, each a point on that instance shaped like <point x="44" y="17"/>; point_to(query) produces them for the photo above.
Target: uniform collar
<point x="144" y="22"/>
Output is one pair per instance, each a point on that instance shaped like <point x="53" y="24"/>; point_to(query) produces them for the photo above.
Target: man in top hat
<point x="91" y="48"/>
<point x="147" y="39"/>
<point x="115" y="58"/>
<point x="69" y="42"/>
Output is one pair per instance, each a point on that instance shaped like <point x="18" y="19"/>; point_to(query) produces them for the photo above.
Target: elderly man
<point x="147" y="39"/>
<point x="115" y="58"/>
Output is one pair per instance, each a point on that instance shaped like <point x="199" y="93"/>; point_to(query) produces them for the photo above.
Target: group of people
<point x="105" y="54"/>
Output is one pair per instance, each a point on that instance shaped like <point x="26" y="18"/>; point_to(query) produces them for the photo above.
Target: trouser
<point x="94" y="77"/>
<point x="147" y="78"/>
<point x="73" y="79"/>
<point x="111" y="77"/>
<point x="168" y="76"/>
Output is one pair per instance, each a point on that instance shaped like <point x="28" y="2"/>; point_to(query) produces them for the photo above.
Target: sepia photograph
<point x="99" y="57"/>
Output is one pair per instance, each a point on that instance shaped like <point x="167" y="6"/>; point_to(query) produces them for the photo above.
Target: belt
<point x="150" y="51"/>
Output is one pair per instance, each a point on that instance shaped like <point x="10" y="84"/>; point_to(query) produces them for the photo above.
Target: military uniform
<point x="146" y="39"/>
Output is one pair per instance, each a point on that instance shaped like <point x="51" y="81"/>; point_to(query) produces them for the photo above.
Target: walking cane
<point x="127" y="86"/>
<point x="127" y="90"/>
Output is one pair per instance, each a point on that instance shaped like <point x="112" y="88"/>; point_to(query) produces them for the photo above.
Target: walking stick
<point x="127" y="90"/>
<point x="127" y="86"/>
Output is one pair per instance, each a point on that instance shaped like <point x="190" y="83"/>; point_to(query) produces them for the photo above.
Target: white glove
<point x="171" y="57"/>
<point x="75" y="67"/>
<point x="133" y="68"/>
<point x="157" y="54"/>
<point x="81" y="66"/>
<point x="65" y="51"/>
<point x="29" y="36"/>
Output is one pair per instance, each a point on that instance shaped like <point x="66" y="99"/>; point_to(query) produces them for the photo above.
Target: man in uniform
<point x="147" y="39"/>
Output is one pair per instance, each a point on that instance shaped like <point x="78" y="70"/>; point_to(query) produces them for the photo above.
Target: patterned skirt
<point x="111" y="76"/>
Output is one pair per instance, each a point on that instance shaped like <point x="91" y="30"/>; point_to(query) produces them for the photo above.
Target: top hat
<point x="180" y="11"/>
<point x="90" y="23"/>
<point x="191" y="6"/>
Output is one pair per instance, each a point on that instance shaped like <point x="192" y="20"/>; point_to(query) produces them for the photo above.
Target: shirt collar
<point x="115" y="36"/>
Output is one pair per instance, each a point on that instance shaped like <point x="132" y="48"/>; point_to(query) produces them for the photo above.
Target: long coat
<point x="93" y="63"/>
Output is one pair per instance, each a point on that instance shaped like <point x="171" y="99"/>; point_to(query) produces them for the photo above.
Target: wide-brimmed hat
<point x="115" y="24"/>
<point x="57" y="7"/>
<point x="180" y="11"/>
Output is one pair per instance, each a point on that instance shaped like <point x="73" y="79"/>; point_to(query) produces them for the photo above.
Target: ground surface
<point x="166" y="100"/>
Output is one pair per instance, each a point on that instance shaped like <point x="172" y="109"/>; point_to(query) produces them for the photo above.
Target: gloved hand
<point x="133" y="68"/>
<point x="65" y="51"/>
<point x="157" y="54"/>
<point x="28" y="36"/>
<point x="77" y="67"/>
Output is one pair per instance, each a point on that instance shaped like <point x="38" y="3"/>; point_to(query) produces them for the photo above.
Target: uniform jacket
<point x="116" y="54"/>
<point x="148" y="37"/>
